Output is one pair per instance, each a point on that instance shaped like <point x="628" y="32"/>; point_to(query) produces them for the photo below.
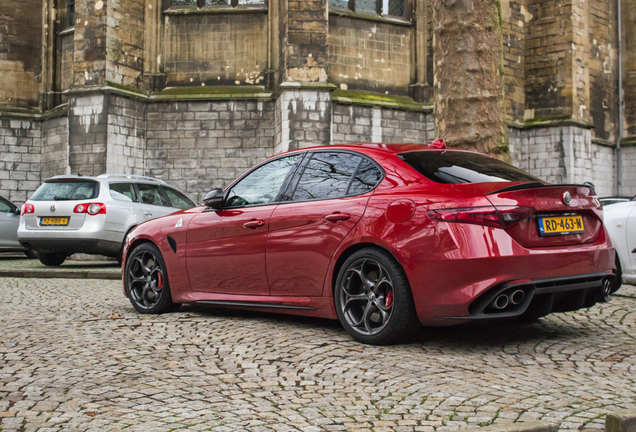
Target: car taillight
<point x="90" y="208"/>
<point x="500" y="217"/>
<point x="27" y="208"/>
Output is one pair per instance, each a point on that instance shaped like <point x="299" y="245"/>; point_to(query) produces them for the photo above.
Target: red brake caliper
<point x="389" y="299"/>
<point x="159" y="281"/>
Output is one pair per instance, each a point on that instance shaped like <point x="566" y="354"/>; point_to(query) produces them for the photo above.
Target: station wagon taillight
<point x="500" y="217"/>
<point x="27" y="208"/>
<point x="90" y="208"/>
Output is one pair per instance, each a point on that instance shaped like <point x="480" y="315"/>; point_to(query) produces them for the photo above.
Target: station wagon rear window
<point x="66" y="190"/>
<point x="452" y="167"/>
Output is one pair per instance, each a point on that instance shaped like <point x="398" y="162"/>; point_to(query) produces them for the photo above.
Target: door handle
<point x="148" y="214"/>
<point x="254" y="224"/>
<point x="335" y="217"/>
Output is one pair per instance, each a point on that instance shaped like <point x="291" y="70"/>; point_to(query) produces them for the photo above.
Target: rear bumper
<point x="70" y="246"/>
<point x="477" y="262"/>
<point x="539" y="297"/>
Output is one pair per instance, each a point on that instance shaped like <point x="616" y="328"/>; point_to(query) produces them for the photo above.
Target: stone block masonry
<point x="54" y="147"/>
<point x="198" y="146"/>
<point x="367" y="124"/>
<point x="126" y="133"/>
<point x="303" y="119"/>
<point x="564" y="154"/>
<point x="629" y="170"/>
<point x="20" y="161"/>
<point x="88" y="123"/>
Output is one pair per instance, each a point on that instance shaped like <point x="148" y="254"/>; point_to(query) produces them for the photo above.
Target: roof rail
<point x="130" y="176"/>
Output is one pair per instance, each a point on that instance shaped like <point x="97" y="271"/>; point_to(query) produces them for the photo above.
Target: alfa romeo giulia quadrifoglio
<point x="384" y="237"/>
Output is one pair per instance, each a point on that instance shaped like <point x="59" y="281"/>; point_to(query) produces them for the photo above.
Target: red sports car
<point x="383" y="237"/>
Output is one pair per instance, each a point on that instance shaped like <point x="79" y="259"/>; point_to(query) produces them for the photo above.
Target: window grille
<point x="380" y="7"/>
<point x="230" y="3"/>
<point x="70" y="13"/>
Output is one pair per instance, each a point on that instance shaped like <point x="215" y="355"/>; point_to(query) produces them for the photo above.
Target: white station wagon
<point x="76" y="214"/>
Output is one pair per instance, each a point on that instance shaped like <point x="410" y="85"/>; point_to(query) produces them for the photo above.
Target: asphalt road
<point x="74" y="355"/>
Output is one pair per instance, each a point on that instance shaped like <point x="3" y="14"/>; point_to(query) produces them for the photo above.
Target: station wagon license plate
<point x="53" y="221"/>
<point x="561" y="225"/>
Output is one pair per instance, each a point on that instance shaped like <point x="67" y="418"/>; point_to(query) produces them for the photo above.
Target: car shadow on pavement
<point x="498" y="333"/>
<point x="464" y="335"/>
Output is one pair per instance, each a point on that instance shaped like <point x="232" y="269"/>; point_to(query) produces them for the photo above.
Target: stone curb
<point x="60" y="274"/>
<point x="620" y="421"/>
<point x="536" y="426"/>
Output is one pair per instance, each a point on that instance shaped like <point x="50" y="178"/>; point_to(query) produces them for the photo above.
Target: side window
<point x="326" y="176"/>
<point x="366" y="178"/>
<point x="5" y="207"/>
<point x="150" y="194"/>
<point x="177" y="199"/>
<point x="122" y="191"/>
<point x="262" y="185"/>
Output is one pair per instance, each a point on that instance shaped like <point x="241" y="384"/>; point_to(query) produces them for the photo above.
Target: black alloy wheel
<point x="147" y="280"/>
<point x="373" y="299"/>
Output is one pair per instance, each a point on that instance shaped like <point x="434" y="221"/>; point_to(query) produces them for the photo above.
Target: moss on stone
<point x="214" y="92"/>
<point x="128" y="89"/>
<point x="377" y="99"/>
<point x="628" y="141"/>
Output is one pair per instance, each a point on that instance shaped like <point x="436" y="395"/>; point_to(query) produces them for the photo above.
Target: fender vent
<point x="172" y="243"/>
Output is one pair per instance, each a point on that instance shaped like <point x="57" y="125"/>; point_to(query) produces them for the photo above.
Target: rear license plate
<point x="52" y="221"/>
<point x="561" y="225"/>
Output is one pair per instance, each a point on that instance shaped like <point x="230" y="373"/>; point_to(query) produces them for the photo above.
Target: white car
<point x="78" y="214"/>
<point x="620" y="221"/>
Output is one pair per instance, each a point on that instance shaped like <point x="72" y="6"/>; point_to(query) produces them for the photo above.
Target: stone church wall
<point x="20" y="159"/>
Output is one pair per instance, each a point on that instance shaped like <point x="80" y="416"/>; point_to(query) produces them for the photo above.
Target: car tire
<point x="618" y="276"/>
<point x="146" y="280"/>
<point x="31" y="254"/>
<point x="373" y="299"/>
<point x="52" y="259"/>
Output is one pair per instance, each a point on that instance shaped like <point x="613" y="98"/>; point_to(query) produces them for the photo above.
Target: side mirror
<point x="17" y="211"/>
<point x="214" y="199"/>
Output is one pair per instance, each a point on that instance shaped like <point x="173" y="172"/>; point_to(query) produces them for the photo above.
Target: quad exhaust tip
<point x="517" y="297"/>
<point x="607" y="286"/>
<point x="504" y="300"/>
<point x="501" y="302"/>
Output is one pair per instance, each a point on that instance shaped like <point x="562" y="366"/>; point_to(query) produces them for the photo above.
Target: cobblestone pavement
<point x="74" y="355"/>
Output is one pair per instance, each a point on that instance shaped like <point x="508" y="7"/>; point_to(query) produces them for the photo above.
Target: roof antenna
<point x="79" y="174"/>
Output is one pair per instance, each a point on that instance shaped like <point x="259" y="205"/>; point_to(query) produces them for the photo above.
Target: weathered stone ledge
<point x="193" y="10"/>
<point x="353" y="97"/>
<point x="371" y="17"/>
<point x="550" y="122"/>
<point x="23" y="114"/>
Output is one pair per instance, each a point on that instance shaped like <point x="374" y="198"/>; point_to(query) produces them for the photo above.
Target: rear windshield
<point x="453" y="167"/>
<point x="65" y="190"/>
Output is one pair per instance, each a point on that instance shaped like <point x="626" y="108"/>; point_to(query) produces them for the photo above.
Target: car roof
<point x="110" y="177"/>
<point x="386" y="148"/>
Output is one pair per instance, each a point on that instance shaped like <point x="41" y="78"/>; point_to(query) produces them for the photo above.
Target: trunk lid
<point x="549" y="203"/>
<point x="54" y="201"/>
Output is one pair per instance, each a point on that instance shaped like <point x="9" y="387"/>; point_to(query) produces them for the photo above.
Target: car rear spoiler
<point x="534" y="185"/>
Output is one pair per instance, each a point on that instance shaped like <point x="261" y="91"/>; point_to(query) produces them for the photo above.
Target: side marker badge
<point x="179" y="223"/>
